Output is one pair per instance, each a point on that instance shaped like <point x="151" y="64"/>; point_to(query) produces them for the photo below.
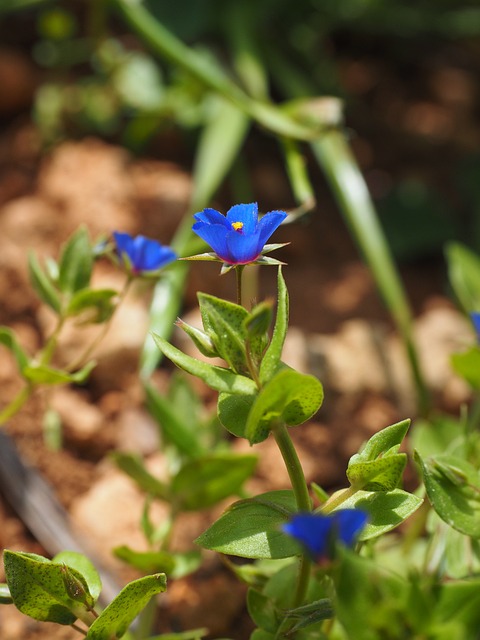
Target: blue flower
<point x="141" y="255"/>
<point x="318" y="532"/>
<point x="475" y="318"/>
<point x="239" y="237"/>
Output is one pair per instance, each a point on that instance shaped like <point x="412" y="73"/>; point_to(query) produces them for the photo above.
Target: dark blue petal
<point x="215" y="235"/>
<point x="318" y="533"/>
<point x="124" y="244"/>
<point x="150" y="255"/>
<point x="247" y="214"/>
<point x="212" y="216"/>
<point x="475" y="317"/>
<point x="269" y="223"/>
<point x="243" y="248"/>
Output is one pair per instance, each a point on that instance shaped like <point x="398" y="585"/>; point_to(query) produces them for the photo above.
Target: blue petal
<point x="245" y="213"/>
<point x="124" y="244"/>
<point x="475" y="318"/>
<point x="215" y="235"/>
<point x="150" y="255"/>
<point x="243" y="248"/>
<point x="269" y="223"/>
<point x="318" y="532"/>
<point x="212" y="216"/>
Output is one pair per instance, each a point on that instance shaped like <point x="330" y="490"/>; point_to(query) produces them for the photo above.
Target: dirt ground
<point x="339" y="330"/>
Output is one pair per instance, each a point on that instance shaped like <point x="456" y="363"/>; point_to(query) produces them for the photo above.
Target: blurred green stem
<point x="351" y="193"/>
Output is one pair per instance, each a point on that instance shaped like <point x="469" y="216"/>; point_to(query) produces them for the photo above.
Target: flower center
<point x="238" y="226"/>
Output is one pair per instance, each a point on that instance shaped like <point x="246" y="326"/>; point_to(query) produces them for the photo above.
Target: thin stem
<point x="49" y="349"/>
<point x="302" y="497"/>
<point x="79" y="629"/>
<point x="239" y="272"/>
<point x="83" y="357"/>
<point x="338" y="498"/>
<point x="16" y="404"/>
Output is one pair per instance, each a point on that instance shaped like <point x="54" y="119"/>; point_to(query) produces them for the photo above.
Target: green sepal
<point x="134" y="467"/>
<point x="76" y="263"/>
<point x="252" y="528"/>
<point x="272" y="359"/>
<point x="83" y="565"/>
<point x="223" y="321"/>
<point x="199" y="338"/>
<point x="204" y="481"/>
<point x="38" y="589"/>
<point x="216" y="378"/>
<point x="386" y="510"/>
<point x="289" y="397"/>
<point x="43" y="284"/>
<point x="95" y="304"/>
<point x="453" y="488"/>
<point x="115" y="619"/>
<point x="43" y="374"/>
<point x="9" y="340"/>
<point x="176" y="565"/>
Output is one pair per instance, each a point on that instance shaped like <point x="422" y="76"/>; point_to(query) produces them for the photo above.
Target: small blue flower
<point x="475" y="318"/>
<point x="141" y="255"/>
<point x="318" y="533"/>
<point x="239" y="237"/>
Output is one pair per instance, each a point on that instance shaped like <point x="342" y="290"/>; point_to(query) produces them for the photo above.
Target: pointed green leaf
<point x="217" y="378"/>
<point x="43" y="374"/>
<point x="43" y="285"/>
<point x="385" y="442"/>
<point x="95" y="303"/>
<point x="76" y="263"/>
<point x="467" y="365"/>
<point x="146" y="561"/>
<point x="223" y="321"/>
<point x="272" y="358"/>
<point x="464" y="275"/>
<point x="134" y="467"/>
<point x="9" y="340"/>
<point x="114" y="621"/>
<point x="199" y="338"/>
<point x="290" y="397"/>
<point x="38" y="588"/>
<point x="382" y="474"/>
<point x="252" y="528"/>
<point x="206" y="480"/>
<point x="386" y="510"/>
<point x="173" y="429"/>
<point x="453" y="488"/>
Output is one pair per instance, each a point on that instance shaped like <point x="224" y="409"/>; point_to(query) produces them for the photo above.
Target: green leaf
<point x="467" y="365"/>
<point x="9" y="340"/>
<point x="459" y="600"/>
<point x="464" y="275"/>
<point x="386" y="510"/>
<point x="38" y="588"/>
<point x="290" y="397"/>
<point x="82" y="564"/>
<point x="216" y="378"/>
<point x="98" y="302"/>
<point x="134" y="467"/>
<point x="233" y="411"/>
<point x="383" y="474"/>
<point x="199" y="338"/>
<point x="76" y="263"/>
<point x="453" y="488"/>
<point x="385" y="442"/>
<point x="176" y="565"/>
<point x="252" y="528"/>
<point x="43" y="374"/>
<point x="171" y="425"/>
<point x="114" y="621"/>
<point x="43" y="285"/>
<point x="206" y="480"/>
<point x="272" y="358"/>
<point x="223" y="321"/>
<point x="263" y="611"/>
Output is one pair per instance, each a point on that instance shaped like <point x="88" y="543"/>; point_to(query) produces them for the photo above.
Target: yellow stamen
<point x="237" y="225"/>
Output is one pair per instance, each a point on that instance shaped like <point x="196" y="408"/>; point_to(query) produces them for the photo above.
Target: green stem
<point x="16" y="404"/>
<point x="302" y="497"/>
<point x="338" y="498"/>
